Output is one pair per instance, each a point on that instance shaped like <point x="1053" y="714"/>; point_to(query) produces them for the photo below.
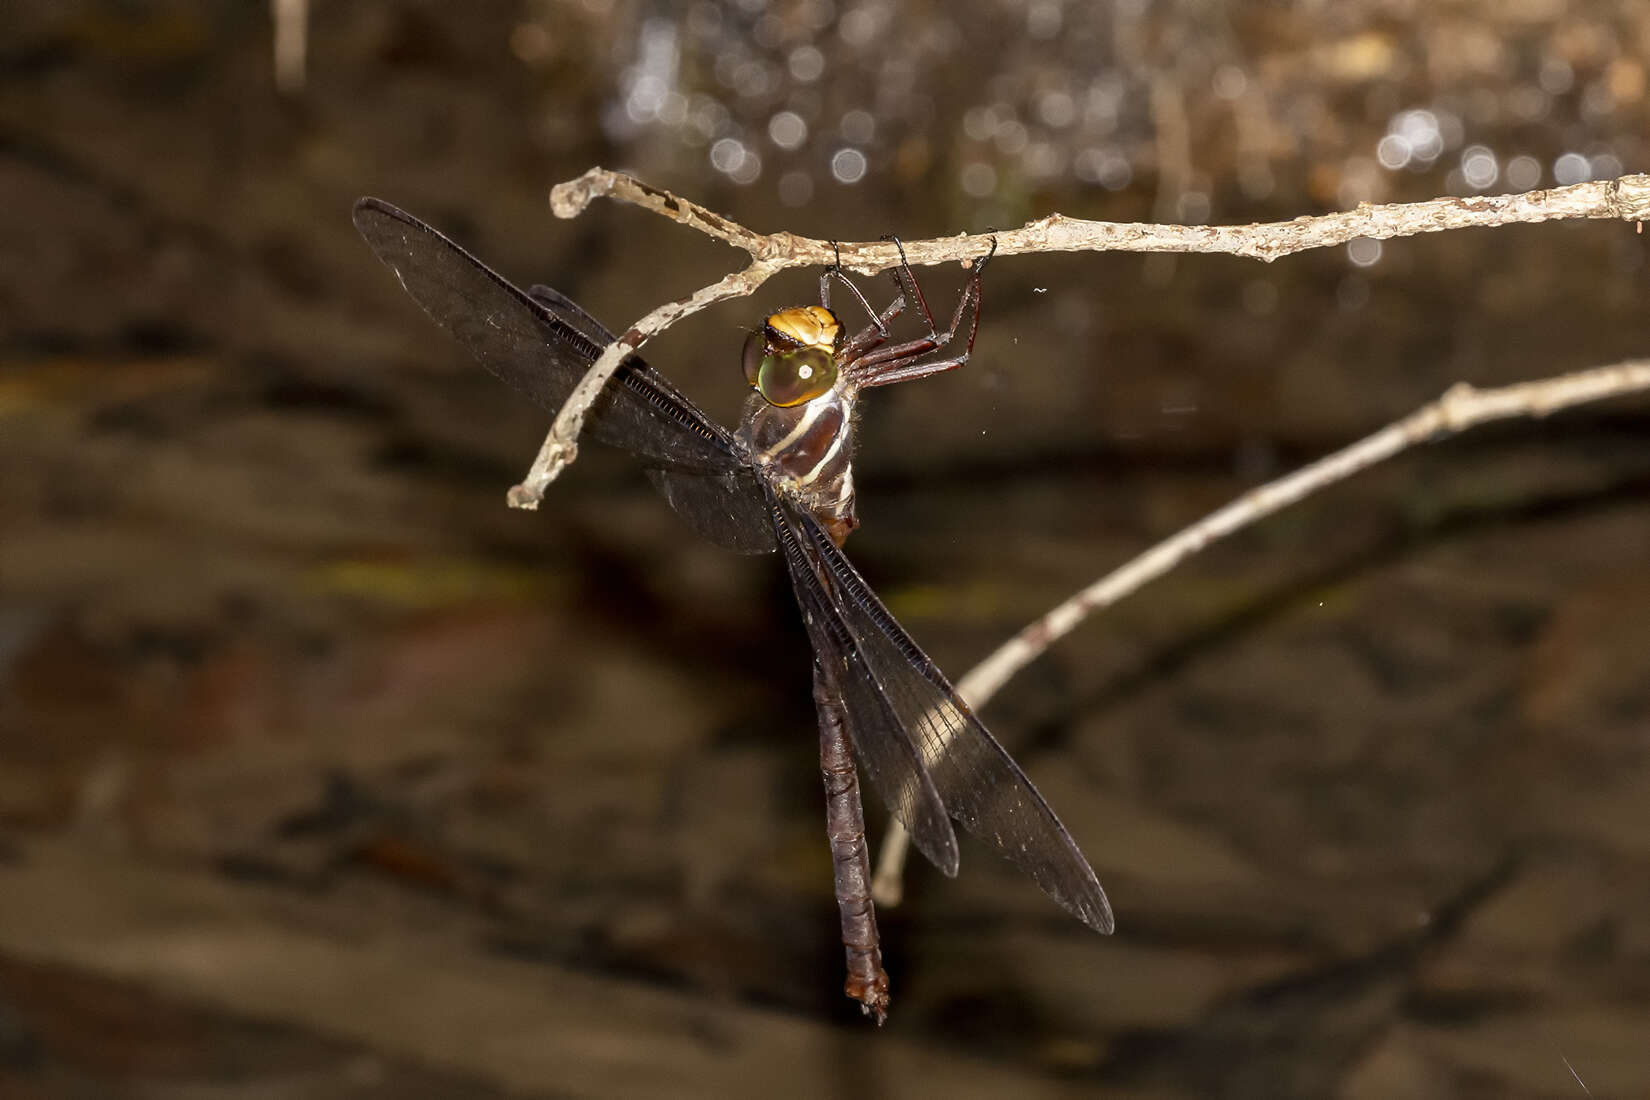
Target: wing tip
<point x="369" y="209"/>
<point x="939" y="848"/>
<point x="1096" y="913"/>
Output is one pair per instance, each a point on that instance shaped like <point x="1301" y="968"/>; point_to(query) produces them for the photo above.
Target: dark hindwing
<point x="880" y="747"/>
<point x="899" y="695"/>
<point x="724" y="507"/>
<point x="541" y="344"/>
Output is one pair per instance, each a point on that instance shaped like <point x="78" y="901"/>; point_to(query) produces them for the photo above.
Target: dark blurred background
<point x="323" y="774"/>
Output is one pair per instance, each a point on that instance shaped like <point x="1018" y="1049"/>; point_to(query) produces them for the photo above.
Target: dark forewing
<point x="887" y="754"/>
<point x="979" y="783"/>
<point x="541" y="344"/>
<point x="554" y="301"/>
<point x="537" y="351"/>
<point x="724" y="506"/>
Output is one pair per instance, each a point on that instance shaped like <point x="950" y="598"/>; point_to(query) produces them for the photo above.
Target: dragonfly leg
<point x="905" y="362"/>
<point x="845" y="824"/>
<point x="876" y="333"/>
<point x="905" y="283"/>
<point x="878" y="323"/>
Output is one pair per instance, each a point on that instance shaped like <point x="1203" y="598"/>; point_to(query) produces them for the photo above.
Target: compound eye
<point x="801" y="375"/>
<point x="756" y="348"/>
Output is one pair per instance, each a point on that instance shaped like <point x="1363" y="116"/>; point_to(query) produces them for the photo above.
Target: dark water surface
<point x="323" y="774"/>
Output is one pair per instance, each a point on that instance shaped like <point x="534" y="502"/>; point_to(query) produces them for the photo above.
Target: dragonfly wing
<point x="886" y="753"/>
<point x="978" y="781"/>
<point x="541" y="342"/>
<point x="539" y="351"/>
<point x="725" y="506"/>
<point x="577" y="317"/>
<point x="571" y="312"/>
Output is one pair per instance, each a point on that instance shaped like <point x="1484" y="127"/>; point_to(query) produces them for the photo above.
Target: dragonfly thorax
<point x="808" y="449"/>
<point x="799" y="421"/>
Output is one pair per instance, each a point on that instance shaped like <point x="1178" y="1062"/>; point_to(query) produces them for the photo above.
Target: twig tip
<point x="521" y="496"/>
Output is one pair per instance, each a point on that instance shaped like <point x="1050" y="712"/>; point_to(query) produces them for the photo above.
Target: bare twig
<point x="1461" y="408"/>
<point x="1627" y="198"/>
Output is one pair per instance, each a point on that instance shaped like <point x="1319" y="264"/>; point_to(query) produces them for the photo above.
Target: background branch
<point x="1459" y="409"/>
<point x="1626" y="198"/>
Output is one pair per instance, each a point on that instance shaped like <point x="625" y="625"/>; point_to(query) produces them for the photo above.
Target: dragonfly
<point x="782" y="482"/>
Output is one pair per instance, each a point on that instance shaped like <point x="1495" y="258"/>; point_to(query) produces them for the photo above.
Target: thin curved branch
<point x="1626" y="198"/>
<point x="1460" y="408"/>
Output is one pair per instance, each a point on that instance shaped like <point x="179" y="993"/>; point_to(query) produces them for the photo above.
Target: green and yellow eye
<point x="793" y="377"/>
<point x="756" y="347"/>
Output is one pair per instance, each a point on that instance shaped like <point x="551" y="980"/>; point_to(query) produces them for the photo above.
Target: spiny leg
<point x="835" y="272"/>
<point x="905" y="284"/>
<point x="877" y="332"/>
<point x="873" y="335"/>
<point x="905" y="362"/>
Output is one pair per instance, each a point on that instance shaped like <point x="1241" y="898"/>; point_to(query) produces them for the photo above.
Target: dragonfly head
<point x="791" y="359"/>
